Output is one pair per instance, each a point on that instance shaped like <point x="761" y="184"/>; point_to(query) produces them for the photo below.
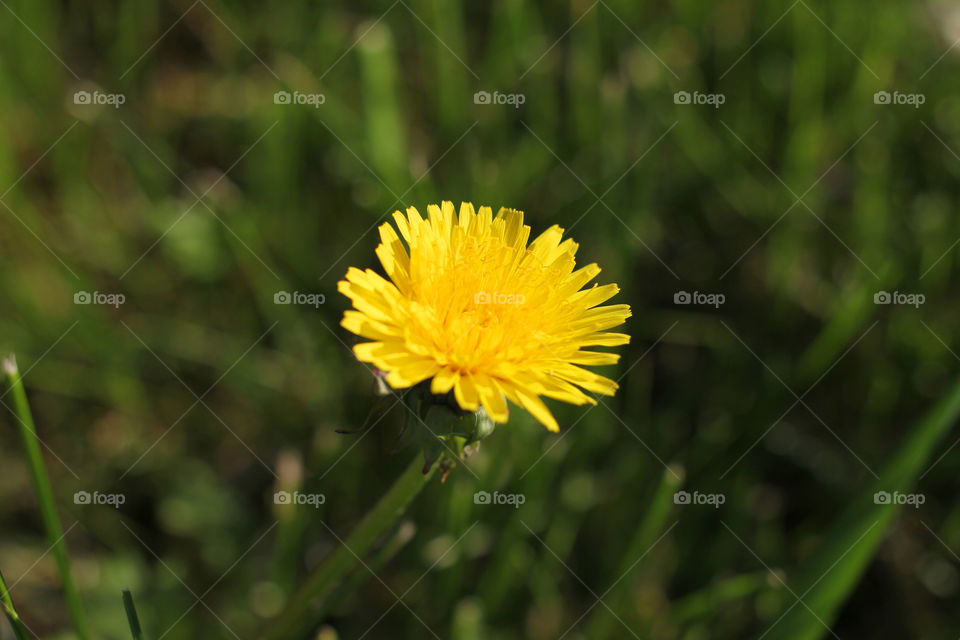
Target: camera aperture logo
<point x="912" y="499"/>
<point x="712" y="99"/>
<point x="109" y="499"/>
<point x="912" y="99"/>
<point x="299" y="297"/>
<point x="513" y="99"/>
<point x="709" y="299"/>
<point x="512" y="499"/>
<point x="697" y="498"/>
<point x="312" y="99"/>
<point x="98" y="297"/>
<point x="99" y="98"/>
<point x="309" y="499"/>
<point x="513" y="299"/>
<point x="898" y="297"/>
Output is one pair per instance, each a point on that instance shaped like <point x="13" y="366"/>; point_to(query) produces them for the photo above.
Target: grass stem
<point x="6" y="601"/>
<point x="132" y="619"/>
<point x="41" y="484"/>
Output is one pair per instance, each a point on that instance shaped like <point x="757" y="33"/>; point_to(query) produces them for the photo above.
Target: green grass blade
<point x="383" y="120"/>
<point x="132" y="617"/>
<point x="829" y="577"/>
<point x="48" y="509"/>
<point x="702" y="603"/>
<point x="20" y="631"/>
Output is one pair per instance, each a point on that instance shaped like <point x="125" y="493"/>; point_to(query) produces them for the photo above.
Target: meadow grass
<point x="800" y="198"/>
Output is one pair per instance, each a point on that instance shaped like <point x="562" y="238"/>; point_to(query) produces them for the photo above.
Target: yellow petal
<point x="586" y="379"/>
<point x="366" y="351"/>
<point x="492" y="398"/>
<point x="589" y="298"/>
<point x="594" y="358"/>
<point x="403" y="226"/>
<point x="600" y="318"/>
<point x="467" y="214"/>
<point x="576" y="280"/>
<point x="538" y="410"/>
<point x="364" y="326"/>
<point x="546" y="242"/>
<point x="466" y="394"/>
<point x="604" y="339"/>
<point x="409" y="375"/>
<point x="443" y="381"/>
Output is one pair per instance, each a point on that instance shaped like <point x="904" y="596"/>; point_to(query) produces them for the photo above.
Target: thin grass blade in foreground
<point x="132" y="619"/>
<point x="6" y="601"/>
<point x="831" y="574"/>
<point x="48" y="509"/>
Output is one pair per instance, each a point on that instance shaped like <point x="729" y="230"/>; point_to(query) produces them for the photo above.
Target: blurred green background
<point x="204" y="194"/>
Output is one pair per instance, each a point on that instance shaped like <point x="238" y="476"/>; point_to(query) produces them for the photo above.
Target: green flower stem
<point x="321" y="584"/>
<point x="6" y="601"/>
<point x="41" y="483"/>
<point x="377" y="560"/>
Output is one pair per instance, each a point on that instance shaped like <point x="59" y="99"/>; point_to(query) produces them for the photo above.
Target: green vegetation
<point x="169" y="170"/>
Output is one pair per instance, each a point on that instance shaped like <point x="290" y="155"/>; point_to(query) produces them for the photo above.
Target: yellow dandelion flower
<point x="474" y="307"/>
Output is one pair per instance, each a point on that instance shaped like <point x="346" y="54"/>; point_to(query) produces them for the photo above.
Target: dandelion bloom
<point x="474" y="307"/>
